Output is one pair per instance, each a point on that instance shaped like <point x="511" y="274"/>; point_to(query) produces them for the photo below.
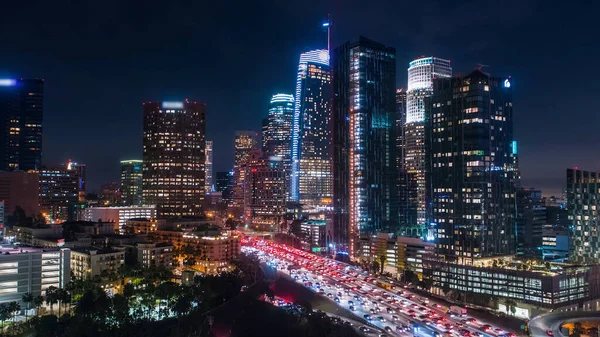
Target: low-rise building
<point x="31" y="270"/>
<point x="91" y="261"/>
<point x="117" y="214"/>
<point x="214" y="250"/>
<point x="555" y="244"/>
<point x="89" y="228"/>
<point x="536" y="288"/>
<point x="315" y="233"/>
<point x="28" y="234"/>
<point x="154" y="254"/>
<point x="411" y="254"/>
<point x="142" y="225"/>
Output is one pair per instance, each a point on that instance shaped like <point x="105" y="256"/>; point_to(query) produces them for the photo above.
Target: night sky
<point x="102" y="59"/>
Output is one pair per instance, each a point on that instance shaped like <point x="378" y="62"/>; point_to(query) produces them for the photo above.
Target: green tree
<point x="27" y="299"/>
<point x="375" y="266"/>
<point x="382" y="259"/>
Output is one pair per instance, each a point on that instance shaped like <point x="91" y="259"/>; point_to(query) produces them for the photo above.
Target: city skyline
<point x="512" y="43"/>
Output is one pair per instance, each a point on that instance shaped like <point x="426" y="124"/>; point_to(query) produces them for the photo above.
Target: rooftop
<point x="95" y="250"/>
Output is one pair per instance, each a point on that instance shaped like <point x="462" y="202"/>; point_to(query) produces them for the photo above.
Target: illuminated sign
<point x="7" y="82"/>
<point x="514" y="147"/>
<point x="172" y="105"/>
<point x="506" y="83"/>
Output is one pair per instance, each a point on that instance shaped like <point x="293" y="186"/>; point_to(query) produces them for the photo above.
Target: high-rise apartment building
<point x="583" y="205"/>
<point x="311" y="183"/>
<point x="245" y="141"/>
<point x="469" y="143"/>
<point x="364" y="141"/>
<point x="264" y="190"/>
<point x="131" y="182"/>
<point x="277" y="132"/>
<point x="59" y="192"/>
<point x="421" y="73"/>
<point x="21" y="117"/>
<point x="208" y="167"/>
<point x="174" y="157"/>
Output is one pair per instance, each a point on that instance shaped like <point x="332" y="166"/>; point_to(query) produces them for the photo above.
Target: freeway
<point x="549" y="324"/>
<point x="395" y="310"/>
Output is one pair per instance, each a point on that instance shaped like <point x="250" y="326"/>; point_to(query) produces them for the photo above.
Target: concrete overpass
<point x="541" y="324"/>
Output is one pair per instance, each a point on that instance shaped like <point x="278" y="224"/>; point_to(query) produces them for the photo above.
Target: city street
<point x="389" y="307"/>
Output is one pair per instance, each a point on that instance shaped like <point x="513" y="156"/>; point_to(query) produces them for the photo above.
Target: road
<point x="395" y="310"/>
<point x="549" y="324"/>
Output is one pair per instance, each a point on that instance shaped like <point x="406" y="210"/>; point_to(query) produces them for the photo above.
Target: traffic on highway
<point x="389" y="307"/>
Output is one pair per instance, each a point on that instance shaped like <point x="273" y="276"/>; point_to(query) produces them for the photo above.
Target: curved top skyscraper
<point x="421" y="73"/>
<point x="311" y="182"/>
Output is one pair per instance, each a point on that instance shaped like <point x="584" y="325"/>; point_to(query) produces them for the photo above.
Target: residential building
<point x="364" y="115"/>
<point x="154" y="254"/>
<point x="141" y="225"/>
<point x="131" y="182"/>
<point x="58" y="192"/>
<point x="208" y="168"/>
<point x="21" y="119"/>
<point x="174" y="157"/>
<point x="110" y="194"/>
<point x="21" y="189"/>
<point x="471" y="174"/>
<point x="583" y="205"/>
<point x="311" y="183"/>
<point x="27" y="235"/>
<point x="245" y="141"/>
<point x="421" y="73"/>
<point x="31" y="270"/>
<point x="264" y="190"/>
<point x="531" y="219"/>
<point x="118" y="214"/>
<point x="89" y="262"/>
<point x="85" y="228"/>
<point x="215" y="250"/>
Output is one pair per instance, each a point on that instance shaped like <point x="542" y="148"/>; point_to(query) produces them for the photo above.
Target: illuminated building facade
<point x="421" y="73"/>
<point x="277" y="134"/>
<point x="81" y="174"/>
<point x="59" y="192"/>
<point x="402" y="188"/>
<point x="174" y="157"/>
<point x="208" y="167"/>
<point x="311" y="182"/>
<point x="21" y="117"/>
<point x="364" y="161"/>
<point x="583" y="205"/>
<point x="118" y="214"/>
<point x="471" y="167"/>
<point x="131" y="182"/>
<point x="264" y="190"/>
<point x="245" y="141"/>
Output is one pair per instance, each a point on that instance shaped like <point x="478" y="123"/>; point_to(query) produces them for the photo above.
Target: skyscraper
<point x="583" y="205"/>
<point x="59" y="192"/>
<point x="277" y="133"/>
<point x="364" y="141"/>
<point x="401" y="184"/>
<point x="174" y="157"/>
<point x="245" y="141"/>
<point x="131" y="182"/>
<point x="81" y="175"/>
<point x="21" y="117"/>
<point x="311" y="140"/>
<point x="208" y="167"/>
<point x="264" y="190"/>
<point x="421" y="73"/>
<point x="469" y="143"/>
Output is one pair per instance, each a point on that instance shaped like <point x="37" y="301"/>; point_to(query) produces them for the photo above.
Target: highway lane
<point x="398" y="310"/>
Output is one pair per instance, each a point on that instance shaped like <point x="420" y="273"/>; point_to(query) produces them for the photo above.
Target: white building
<point x="118" y="214"/>
<point x="24" y="269"/>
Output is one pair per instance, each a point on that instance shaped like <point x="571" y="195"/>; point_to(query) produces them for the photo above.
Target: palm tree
<point x="51" y="297"/>
<point x="63" y="296"/>
<point x="382" y="260"/>
<point x="4" y="314"/>
<point x="14" y="307"/>
<point x="37" y="302"/>
<point x="27" y="299"/>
